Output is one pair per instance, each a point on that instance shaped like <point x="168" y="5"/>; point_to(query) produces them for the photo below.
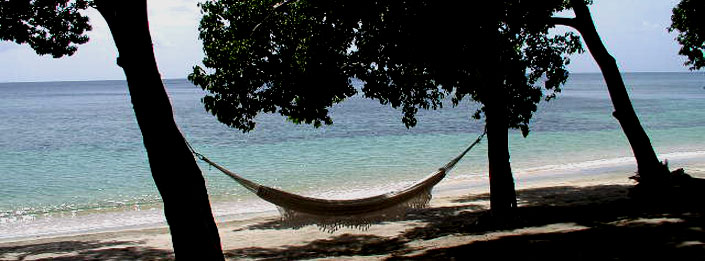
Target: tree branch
<point x="565" y="21"/>
<point x="274" y="10"/>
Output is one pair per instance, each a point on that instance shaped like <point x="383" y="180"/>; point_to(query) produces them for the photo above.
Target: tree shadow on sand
<point x="678" y="239"/>
<point x="607" y="225"/>
<point x="342" y="245"/>
<point x="85" y="250"/>
<point x="612" y="226"/>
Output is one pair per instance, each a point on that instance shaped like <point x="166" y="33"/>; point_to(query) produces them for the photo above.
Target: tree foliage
<point x="53" y="27"/>
<point x="289" y="61"/>
<point x="687" y="19"/>
<point x="297" y="59"/>
<point x="416" y="58"/>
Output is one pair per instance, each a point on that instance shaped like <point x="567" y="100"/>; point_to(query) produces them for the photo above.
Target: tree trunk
<point x="494" y="97"/>
<point x="502" y="193"/>
<point x="650" y="170"/>
<point x="174" y="169"/>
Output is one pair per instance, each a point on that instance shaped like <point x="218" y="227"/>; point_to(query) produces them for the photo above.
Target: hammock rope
<point x="330" y="215"/>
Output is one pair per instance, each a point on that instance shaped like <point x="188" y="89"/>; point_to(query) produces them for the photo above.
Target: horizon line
<point x="184" y="78"/>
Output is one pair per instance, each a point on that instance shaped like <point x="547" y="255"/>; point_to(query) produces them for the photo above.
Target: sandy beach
<point x="586" y="217"/>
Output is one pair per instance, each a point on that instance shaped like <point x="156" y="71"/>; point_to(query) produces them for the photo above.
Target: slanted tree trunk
<point x="650" y="169"/>
<point x="174" y="169"/>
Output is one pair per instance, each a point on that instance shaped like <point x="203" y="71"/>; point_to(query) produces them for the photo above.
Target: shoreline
<point x="441" y="198"/>
<point x="261" y="230"/>
<point x="595" y="172"/>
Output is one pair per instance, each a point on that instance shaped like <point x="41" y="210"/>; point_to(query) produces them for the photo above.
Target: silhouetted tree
<point x="297" y="59"/>
<point x="56" y="27"/>
<point x="49" y="27"/>
<point x="687" y="19"/>
<point x="649" y="169"/>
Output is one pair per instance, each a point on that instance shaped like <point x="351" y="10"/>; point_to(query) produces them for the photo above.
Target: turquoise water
<point x="71" y="150"/>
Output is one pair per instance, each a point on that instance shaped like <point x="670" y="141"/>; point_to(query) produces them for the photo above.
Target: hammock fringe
<point x="295" y="219"/>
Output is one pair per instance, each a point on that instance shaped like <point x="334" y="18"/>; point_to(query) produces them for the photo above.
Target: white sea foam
<point x="71" y="223"/>
<point x="610" y="162"/>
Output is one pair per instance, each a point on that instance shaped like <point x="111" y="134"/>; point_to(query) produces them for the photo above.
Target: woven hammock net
<point x="330" y="215"/>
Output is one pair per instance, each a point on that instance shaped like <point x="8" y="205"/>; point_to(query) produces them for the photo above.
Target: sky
<point x="634" y="31"/>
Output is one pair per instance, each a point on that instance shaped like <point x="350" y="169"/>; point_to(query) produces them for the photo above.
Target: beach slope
<point x="579" y="219"/>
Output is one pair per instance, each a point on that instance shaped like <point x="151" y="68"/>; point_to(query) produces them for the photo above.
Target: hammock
<point x="298" y="211"/>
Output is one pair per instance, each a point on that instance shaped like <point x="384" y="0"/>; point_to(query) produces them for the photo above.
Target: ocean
<point x="72" y="160"/>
